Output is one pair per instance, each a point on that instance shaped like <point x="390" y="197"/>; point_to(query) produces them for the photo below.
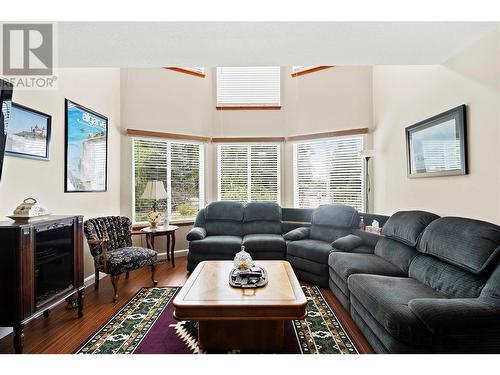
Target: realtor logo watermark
<point x="28" y="55"/>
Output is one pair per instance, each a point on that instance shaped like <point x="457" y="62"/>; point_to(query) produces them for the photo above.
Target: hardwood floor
<point x="62" y="332"/>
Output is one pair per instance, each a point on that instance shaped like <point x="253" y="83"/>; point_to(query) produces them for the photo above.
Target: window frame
<point x="249" y="144"/>
<point x="201" y="178"/>
<point x="295" y="165"/>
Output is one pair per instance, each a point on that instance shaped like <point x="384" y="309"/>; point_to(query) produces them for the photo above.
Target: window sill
<point x="186" y="71"/>
<point x="311" y="70"/>
<point x="247" y="108"/>
<point x="179" y="223"/>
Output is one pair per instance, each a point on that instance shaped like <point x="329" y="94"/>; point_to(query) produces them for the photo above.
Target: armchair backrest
<point x="224" y="218"/>
<point x="117" y="229"/>
<point x="262" y="217"/>
<point x="457" y="256"/>
<point x="331" y="221"/>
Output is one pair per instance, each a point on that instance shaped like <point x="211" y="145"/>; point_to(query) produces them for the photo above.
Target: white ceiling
<point x="145" y="44"/>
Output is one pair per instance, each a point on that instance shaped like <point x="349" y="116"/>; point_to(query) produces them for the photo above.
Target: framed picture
<point x="28" y="135"/>
<point x="86" y="149"/>
<point x="438" y="146"/>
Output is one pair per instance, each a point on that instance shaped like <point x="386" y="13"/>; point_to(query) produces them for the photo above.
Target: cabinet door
<point x="26" y="273"/>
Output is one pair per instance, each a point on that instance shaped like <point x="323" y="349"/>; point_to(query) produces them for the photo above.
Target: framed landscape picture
<point x="28" y="134"/>
<point x="86" y="149"/>
<point x="438" y="146"/>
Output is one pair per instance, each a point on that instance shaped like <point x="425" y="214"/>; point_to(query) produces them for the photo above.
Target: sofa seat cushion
<point x="255" y="243"/>
<point x="347" y="264"/>
<point x="314" y="250"/>
<point x="127" y="259"/>
<point x="216" y="244"/>
<point x="386" y="298"/>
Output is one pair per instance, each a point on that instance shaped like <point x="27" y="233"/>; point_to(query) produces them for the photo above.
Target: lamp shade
<point x="154" y="190"/>
<point x="367" y="153"/>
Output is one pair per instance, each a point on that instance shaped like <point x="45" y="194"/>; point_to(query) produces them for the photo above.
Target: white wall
<point x="404" y="95"/>
<point x="98" y="89"/>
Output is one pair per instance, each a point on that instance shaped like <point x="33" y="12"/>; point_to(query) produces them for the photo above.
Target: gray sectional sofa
<point x="426" y="285"/>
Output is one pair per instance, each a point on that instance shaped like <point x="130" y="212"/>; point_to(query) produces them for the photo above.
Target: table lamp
<point x="155" y="190"/>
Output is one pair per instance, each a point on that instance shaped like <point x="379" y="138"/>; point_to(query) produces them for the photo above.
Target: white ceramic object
<point x="29" y="209"/>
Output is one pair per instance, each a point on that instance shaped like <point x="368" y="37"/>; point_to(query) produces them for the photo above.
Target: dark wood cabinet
<point x="41" y="264"/>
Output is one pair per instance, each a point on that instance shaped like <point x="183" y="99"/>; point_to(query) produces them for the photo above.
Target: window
<point x="249" y="172"/>
<point x="329" y="171"/>
<point x="251" y="86"/>
<point x="180" y="166"/>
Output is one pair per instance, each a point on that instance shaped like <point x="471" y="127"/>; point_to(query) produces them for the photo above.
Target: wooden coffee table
<point x="234" y="318"/>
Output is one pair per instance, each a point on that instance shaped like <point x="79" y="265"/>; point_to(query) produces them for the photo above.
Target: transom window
<point x="329" y="171"/>
<point x="180" y="166"/>
<point x="248" y="86"/>
<point x="249" y="172"/>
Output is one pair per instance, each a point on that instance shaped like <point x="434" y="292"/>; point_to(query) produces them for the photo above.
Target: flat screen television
<point x="6" y="90"/>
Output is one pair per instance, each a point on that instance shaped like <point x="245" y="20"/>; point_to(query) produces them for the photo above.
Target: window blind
<point x="180" y="166"/>
<point x="329" y="171"/>
<point x="253" y="86"/>
<point x="249" y="172"/>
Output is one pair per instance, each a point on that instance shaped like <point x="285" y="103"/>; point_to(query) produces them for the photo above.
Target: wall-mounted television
<point x="6" y="90"/>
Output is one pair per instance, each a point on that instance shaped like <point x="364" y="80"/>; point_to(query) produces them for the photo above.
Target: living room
<point x="357" y="197"/>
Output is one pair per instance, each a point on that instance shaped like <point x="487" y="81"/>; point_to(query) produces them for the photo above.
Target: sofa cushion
<point x="472" y="245"/>
<point x="347" y="264"/>
<point x="407" y="226"/>
<point x="313" y="250"/>
<point x="223" y="228"/>
<point x="347" y="243"/>
<point x="224" y="210"/>
<point x="396" y="252"/>
<point x="127" y="259"/>
<point x="297" y="234"/>
<point x="387" y="298"/>
<point x="216" y="244"/>
<point x="450" y="280"/>
<point x="262" y="211"/>
<point x="255" y="243"/>
<point x="256" y="227"/>
<point x="335" y="215"/>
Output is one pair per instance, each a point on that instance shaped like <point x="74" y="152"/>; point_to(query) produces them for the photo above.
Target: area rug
<point x="145" y="325"/>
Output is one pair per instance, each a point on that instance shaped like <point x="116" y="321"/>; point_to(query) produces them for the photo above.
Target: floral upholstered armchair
<point x="110" y="243"/>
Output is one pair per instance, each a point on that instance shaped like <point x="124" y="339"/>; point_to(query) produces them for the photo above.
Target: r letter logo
<point x="27" y="49"/>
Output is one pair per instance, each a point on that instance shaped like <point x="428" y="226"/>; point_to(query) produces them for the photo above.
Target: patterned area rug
<point x="145" y="325"/>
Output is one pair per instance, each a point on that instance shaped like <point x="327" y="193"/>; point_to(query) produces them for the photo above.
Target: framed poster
<point x="86" y="149"/>
<point x="438" y="146"/>
<point x="28" y="135"/>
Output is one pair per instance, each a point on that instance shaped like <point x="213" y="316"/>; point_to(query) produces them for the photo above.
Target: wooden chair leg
<point x="153" y="271"/>
<point x="127" y="275"/>
<point x="96" y="281"/>
<point x="114" y="281"/>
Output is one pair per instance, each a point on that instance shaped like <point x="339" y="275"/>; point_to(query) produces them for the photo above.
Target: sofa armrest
<point x="347" y="243"/>
<point x="196" y="233"/>
<point x="297" y="234"/>
<point x="458" y="316"/>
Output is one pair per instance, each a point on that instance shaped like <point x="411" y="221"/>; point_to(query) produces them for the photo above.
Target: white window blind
<point x="249" y="172"/>
<point x="329" y="171"/>
<point x="253" y="86"/>
<point x="180" y="166"/>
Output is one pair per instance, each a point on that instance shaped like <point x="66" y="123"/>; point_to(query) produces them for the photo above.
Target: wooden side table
<point x="169" y="232"/>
